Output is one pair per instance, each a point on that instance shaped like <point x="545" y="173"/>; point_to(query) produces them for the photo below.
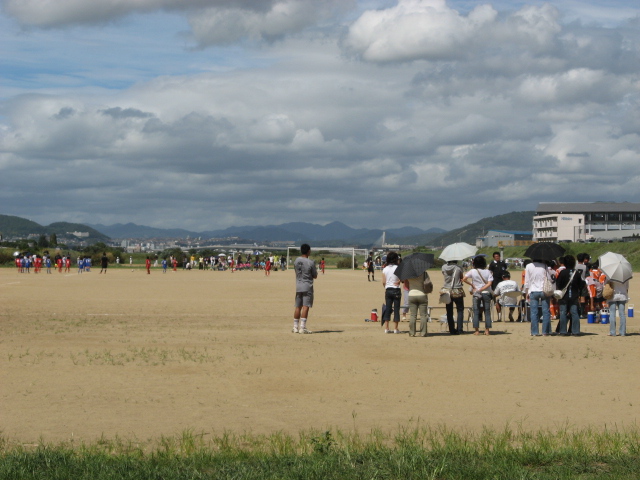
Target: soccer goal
<point x="348" y="251"/>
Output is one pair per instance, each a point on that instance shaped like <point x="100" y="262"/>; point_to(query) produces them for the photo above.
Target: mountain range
<point x="12" y="226"/>
<point x="332" y="234"/>
<point x="293" y="231"/>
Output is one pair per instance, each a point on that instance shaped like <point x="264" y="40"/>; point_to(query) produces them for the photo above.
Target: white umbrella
<point x="457" y="251"/>
<point x="222" y="255"/>
<point x="615" y="267"/>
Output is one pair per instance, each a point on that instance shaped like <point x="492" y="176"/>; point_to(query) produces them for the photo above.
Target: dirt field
<point x="140" y="356"/>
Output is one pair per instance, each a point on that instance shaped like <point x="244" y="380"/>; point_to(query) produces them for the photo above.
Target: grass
<point x="416" y="452"/>
<point x="630" y="250"/>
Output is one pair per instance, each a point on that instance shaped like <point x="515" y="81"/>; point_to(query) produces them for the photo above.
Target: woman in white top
<point x="534" y="277"/>
<point x="619" y="303"/>
<point x="392" y="293"/>
<point x="480" y="280"/>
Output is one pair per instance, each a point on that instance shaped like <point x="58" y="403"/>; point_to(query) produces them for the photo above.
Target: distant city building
<point x="581" y="221"/>
<point x="559" y="227"/>
<point x="79" y="234"/>
<point x="504" y="238"/>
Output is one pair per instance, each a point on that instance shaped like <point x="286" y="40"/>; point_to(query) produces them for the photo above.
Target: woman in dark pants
<point x="392" y="293"/>
<point x="569" y="303"/>
<point x="452" y="273"/>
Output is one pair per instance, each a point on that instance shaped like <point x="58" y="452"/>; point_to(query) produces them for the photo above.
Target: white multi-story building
<point x="575" y="221"/>
<point x="558" y="227"/>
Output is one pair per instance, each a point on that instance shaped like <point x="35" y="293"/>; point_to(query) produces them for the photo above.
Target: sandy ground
<point x="141" y="356"/>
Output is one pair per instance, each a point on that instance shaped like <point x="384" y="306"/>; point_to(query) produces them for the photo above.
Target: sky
<point x="205" y="114"/>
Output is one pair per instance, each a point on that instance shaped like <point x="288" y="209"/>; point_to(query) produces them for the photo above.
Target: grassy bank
<point x="631" y="250"/>
<point x="411" y="453"/>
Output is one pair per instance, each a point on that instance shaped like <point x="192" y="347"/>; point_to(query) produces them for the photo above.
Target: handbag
<point x="427" y="284"/>
<point x="457" y="293"/>
<point x="559" y="294"/>
<point x="607" y="291"/>
<point x="548" y="287"/>
<point x="445" y="296"/>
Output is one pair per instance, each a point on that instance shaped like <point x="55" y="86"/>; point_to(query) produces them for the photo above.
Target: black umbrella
<point x="414" y="265"/>
<point x="544" y="251"/>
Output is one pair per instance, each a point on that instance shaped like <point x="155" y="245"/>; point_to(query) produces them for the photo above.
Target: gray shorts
<point x="304" y="299"/>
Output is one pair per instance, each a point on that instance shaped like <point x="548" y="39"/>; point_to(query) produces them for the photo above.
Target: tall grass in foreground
<point x="416" y="453"/>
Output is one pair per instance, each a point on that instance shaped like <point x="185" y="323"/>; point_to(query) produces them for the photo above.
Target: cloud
<point x="213" y="22"/>
<point x="372" y="119"/>
<point x="216" y="26"/>
<point x="61" y="13"/>
<point x="416" y="29"/>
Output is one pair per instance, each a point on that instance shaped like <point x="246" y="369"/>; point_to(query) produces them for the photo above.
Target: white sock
<point x="303" y="323"/>
<point x="295" y="323"/>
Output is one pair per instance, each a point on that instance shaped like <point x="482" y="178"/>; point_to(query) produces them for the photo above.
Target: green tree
<point x="172" y="252"/>
<point x="53" y="240"/>
<point x="43" y="242"/>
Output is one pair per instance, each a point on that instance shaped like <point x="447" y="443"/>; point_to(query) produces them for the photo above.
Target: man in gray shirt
<point x="305" y="274"/>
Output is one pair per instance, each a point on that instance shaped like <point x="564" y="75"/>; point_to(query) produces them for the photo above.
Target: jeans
<point x="487" y="310"/>
<point x="418" y="302"/>
<point x="621" y="307"/>
<point x="392" y="300"/>
<point x="537" y="299"/>
<point x="459" y="302"/>
<point x="572" y="308"/>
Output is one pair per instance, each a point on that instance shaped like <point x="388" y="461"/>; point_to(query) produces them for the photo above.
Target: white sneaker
<point x="295" y="330"/>
<point x="396" y="331"/>
<point x="304" y="330"/>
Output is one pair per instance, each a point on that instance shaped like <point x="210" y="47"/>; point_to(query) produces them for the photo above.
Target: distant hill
<point x="131" y="230"/>
<point x="11" y="226"/>
<point x="426" y="238"/>
<point x="332" y="234"/>
<point x="518" y="221"/>
<point x="60" y="228"/>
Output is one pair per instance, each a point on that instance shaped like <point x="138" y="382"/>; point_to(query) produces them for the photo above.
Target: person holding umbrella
<point x="618" y="272"/>
<point x="413" y="273"/>
<point x="453" y="274"/>
<point x="534" y="277"/>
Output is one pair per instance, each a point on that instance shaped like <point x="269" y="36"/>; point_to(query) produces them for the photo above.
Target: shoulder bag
<point x="607" y="291"/>
<point x="427" y="284"/>
<point x="548" y="287"/>
<point x="445" y="295"/>
<point x="559" y="294"/>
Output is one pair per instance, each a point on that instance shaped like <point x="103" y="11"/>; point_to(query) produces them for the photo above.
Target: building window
<point x="613" y="217"/>
<point x="628" y="217"/>
<point x="597" y="217"/>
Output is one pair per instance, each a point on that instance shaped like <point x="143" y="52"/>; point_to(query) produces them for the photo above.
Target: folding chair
<point x="516" y="297"/>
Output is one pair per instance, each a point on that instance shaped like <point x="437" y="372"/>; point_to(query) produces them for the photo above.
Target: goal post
<point x="342" y="250"/>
